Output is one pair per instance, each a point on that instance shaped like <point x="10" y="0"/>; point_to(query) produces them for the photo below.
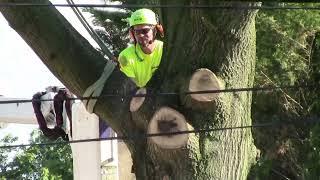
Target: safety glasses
<point x="142" y="31"/>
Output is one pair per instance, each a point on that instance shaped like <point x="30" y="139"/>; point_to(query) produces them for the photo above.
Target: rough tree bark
<point x="222" y="40"/>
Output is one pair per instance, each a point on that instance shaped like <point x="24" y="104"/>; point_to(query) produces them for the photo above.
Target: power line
<point x="143" y="136"/>
<point x="262" y="7"/>
<point x="154" y="94"/>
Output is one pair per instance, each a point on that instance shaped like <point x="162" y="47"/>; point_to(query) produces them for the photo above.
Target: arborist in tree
<point x="61" y="96"/>
<point x="141" y="59"/>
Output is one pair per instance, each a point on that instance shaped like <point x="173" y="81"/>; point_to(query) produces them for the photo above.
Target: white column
<point x="86" y="156"/>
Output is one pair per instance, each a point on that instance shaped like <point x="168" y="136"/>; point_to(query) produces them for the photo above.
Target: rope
<point x="90" y="30"/>
<point x="96" y="88"/>
<point x="143" y="136"/>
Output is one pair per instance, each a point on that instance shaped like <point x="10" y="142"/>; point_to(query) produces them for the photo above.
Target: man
<point x="141" y="59"/>
<point x="61" y="96"/>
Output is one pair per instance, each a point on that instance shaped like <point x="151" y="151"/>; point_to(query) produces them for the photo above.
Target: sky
<point x="22" y="73"/>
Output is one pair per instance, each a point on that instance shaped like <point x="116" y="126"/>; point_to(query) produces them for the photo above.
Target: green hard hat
<point x="143" y="16"/>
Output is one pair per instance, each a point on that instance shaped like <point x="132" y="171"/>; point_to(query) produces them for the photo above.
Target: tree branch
<point x="68" y="55"/>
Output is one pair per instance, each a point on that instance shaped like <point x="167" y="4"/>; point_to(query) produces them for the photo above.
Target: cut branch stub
<point x="203" y="80"/>
<point x="167" y="120"/>
<point x="136" y="102"/>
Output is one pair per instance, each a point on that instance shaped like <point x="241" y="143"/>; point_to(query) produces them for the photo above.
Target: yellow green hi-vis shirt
<point x="138" y="65"/>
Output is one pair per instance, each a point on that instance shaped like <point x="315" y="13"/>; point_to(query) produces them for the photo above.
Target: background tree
<point x="36" y="162"/>
<point x="4" y="154"/>
<point x="287" y="54"/>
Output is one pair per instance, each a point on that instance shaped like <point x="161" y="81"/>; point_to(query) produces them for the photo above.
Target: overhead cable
<point x="143" y="136"/>
<point x="204" y="6"/>
<point x="153" y="94"/>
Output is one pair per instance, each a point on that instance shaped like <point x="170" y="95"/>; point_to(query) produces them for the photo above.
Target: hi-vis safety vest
<point x="138" y="65"/>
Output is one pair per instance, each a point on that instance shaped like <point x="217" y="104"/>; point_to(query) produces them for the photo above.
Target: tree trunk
<point x="222" y="40"/>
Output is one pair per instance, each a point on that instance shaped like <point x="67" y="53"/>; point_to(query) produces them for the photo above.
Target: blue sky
<point x="22" y="73"/>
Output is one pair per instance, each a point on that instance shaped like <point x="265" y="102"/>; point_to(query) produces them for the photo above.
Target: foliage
<point x="5" y="153"/>
<point x="36" y="162"/>
<point x="311" y="166"/>
<point x="114" y="30"/>
<point x="287" y="54"/>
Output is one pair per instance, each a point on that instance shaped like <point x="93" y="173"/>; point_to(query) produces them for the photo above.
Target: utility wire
<point x="205" y="6"/>
<point x="154" y="94"/>
<point x="262" y="7"/>
<point x="143" y="136"/>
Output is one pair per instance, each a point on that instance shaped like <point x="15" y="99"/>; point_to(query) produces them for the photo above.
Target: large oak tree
<point x="220" y="40"/>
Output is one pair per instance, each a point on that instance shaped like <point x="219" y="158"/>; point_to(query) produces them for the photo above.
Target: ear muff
<point x="159" y="27"/>
<point x="160" y="30"/>
<point x="132" y="35"/>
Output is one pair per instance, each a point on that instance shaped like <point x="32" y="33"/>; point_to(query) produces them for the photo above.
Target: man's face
<point x="143" y="33"/>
